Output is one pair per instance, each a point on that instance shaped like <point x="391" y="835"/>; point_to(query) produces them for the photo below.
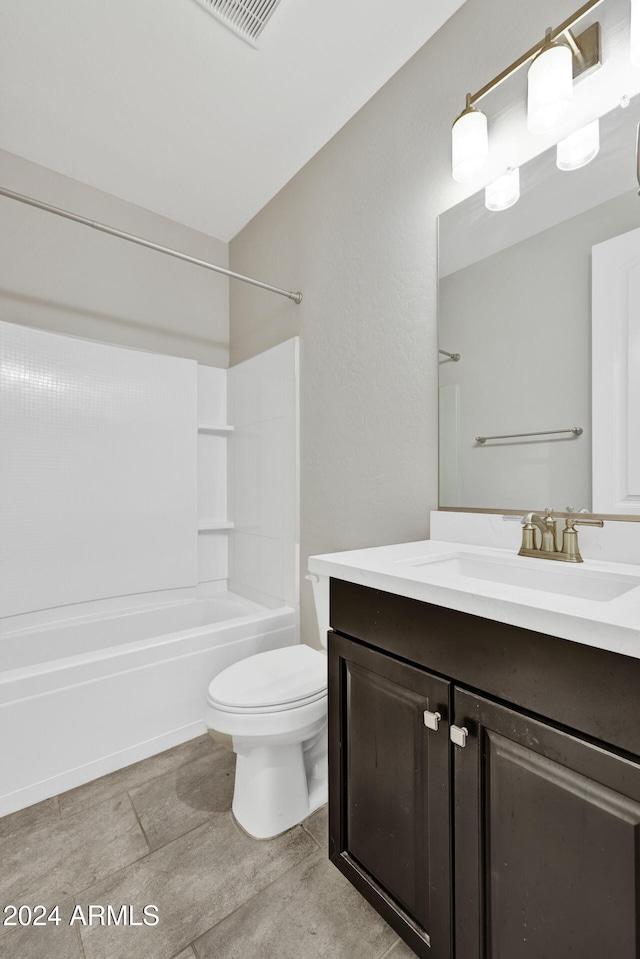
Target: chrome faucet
<point x="548" y="548"/>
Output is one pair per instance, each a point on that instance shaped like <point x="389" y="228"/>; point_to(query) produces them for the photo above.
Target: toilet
<point x="271" y="710"/>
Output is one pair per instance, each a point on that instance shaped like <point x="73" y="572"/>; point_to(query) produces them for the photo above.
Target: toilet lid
<point x="287" y="677"/>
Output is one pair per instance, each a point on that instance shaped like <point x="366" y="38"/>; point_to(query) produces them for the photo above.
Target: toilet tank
<point x="321" y="600"/>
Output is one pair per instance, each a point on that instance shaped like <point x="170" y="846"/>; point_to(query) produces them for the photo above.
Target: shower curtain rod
<point x="296" y="297"/>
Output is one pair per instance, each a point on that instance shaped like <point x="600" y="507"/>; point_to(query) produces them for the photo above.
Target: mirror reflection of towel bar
<point x="576" y="430"/>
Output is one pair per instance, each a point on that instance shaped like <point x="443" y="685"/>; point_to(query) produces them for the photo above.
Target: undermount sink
<point x="552" y="577"/>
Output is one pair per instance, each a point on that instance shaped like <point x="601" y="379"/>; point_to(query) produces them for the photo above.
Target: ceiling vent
<point x="247" y="18"/>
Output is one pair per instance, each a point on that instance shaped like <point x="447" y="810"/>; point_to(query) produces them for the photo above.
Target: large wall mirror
<point x="515" y="295"/>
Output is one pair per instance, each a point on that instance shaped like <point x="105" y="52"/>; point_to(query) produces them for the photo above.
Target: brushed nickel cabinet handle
<point x="432" y="720"/>
<point x="458" y="735"/>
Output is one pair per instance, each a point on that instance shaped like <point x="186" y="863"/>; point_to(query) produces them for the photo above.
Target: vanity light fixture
<point x="549" y="86"/>
<point x="469" y="144"/>
<point x="558" y="60"/>
<point x="579" y="148"/>
<point x="503" y="192"/>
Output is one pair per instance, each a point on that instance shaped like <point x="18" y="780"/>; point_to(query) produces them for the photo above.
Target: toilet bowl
<point x="271" y="709"/>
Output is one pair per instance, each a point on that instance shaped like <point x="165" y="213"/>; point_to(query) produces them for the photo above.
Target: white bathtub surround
<point x="248" y="476"/>
<point x="97" y="486"/>
<point x="120" y="468"/>
<point x="85" y="697"/>
<point x="263" y="477"/>
<point x="116" y="523"/>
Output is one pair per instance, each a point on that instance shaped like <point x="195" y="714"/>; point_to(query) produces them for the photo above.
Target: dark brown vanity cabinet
<point x="522" y="839"/>
<point x="546" y="829"/>
<point x="390" y="790"/>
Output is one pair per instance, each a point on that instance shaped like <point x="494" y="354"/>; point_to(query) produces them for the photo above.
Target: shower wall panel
<point x="98" y="471"/>
<point x="263" y="469"/>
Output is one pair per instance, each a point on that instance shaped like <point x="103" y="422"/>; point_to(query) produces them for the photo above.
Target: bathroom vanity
<point x="484" y="773"/>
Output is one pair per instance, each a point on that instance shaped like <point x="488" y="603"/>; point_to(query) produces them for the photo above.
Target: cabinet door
<point x="546" y="841"/>
<point x="389" y="800"/>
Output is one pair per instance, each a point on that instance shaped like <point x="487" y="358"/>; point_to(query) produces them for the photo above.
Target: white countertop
<point x="411" y="569"/>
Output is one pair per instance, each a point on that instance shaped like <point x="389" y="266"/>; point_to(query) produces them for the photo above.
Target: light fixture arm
<point x="563" y="31"/>
<point x="575" y="48"/>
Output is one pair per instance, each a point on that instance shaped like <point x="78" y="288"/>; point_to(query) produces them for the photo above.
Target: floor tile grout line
<point x="312" y="852"/>
<point x="246" y="902"/>
<point x="139" y="821"/>
<point x="184" y="949"/>
<point x="34" y="826"/>
<point x="322" y="848"/>
<point x="83" y="954"/>
<point x="110" y="875"/>
<point x="78" y="894"/>
<point x="134" y="862"/>
<point x="183" y="834"/>
<point x="390" y="949"/>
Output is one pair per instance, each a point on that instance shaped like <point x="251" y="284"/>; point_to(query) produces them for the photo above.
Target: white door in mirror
<point x="616" y="374"/>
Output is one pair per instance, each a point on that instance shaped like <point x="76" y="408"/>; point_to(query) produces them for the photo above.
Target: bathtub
<point x="86" y="696"/>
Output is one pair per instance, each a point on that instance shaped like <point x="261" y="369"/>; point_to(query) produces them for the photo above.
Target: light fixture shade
<point x="503" y="192"/>
<point x="579" y="148"/>
<point x="550" y="87"/>
<point x="635" y="32"/>
<point x="469" y="145"/>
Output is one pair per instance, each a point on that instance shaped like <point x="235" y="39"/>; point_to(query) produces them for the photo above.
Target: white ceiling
<point x="156" y="102"/>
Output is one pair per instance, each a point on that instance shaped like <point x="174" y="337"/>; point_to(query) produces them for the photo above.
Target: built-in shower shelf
<point x="214" y="428"/>
<point x="207" y="525"/>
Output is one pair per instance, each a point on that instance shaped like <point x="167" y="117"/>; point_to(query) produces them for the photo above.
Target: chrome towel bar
<point x="576" y="430"/>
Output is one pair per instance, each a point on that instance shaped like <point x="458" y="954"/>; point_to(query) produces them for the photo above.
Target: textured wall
<point x="67" y="278"/>
<point x="356" y="231"/>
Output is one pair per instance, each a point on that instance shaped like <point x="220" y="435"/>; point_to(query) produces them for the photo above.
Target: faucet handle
<point x="570" y="537"/>
<point x="572" y="521"/>
<point x="528" y="534"/>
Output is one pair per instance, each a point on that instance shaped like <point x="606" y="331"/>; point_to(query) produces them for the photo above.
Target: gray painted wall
<point x="356" y="231"/>
<point x="67" y="278"/>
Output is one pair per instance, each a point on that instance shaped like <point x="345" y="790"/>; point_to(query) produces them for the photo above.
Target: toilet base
<point x="277" y="786"/>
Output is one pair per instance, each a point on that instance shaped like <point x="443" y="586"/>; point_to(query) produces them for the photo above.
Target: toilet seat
<point x="278" y="680"/>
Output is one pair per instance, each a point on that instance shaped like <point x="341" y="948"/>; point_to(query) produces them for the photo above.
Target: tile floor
<point x="161" y="833"/>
